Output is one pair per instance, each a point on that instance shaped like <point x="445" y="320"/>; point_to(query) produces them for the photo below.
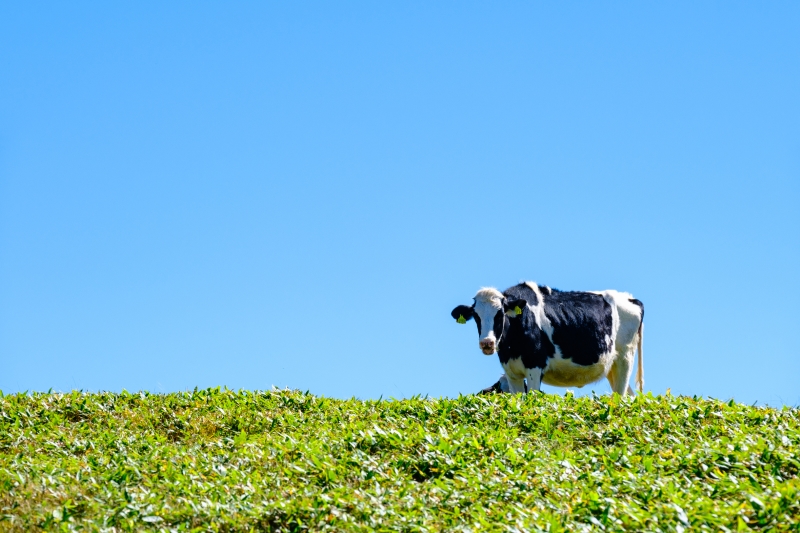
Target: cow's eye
<point x="477" y="322"/>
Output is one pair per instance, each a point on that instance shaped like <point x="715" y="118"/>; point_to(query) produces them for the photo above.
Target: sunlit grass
<point x="283" y="460"/>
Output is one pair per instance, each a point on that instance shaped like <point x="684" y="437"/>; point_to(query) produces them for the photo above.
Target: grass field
<point x="286" y="461"/>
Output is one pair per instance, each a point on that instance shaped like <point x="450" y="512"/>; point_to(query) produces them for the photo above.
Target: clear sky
<point x="196" y="194"/>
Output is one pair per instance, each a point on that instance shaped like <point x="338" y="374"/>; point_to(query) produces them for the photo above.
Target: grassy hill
<point x="287" y="461"/>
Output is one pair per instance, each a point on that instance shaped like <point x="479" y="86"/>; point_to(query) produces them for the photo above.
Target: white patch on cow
<point x="491" y="296"/>
<point x="488" y="301"/>
<point x="628" y="316"/>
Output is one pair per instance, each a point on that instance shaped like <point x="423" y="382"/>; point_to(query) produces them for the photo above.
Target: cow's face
<point x="491" y="311"/>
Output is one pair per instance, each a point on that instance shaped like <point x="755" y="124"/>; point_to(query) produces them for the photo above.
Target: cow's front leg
<point x="534" y="379"/>
<point x="515" y="373"/>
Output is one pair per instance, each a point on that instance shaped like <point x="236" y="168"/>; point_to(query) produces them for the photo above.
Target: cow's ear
<point x="462" y="313"/>
<point x="514" y="308"/>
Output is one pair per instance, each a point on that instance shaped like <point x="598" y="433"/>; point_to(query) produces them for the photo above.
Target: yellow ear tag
<point x="461" y="319"/>
<point x="518" y="310"/>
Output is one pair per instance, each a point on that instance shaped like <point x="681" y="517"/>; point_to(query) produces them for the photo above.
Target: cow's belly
<point x="564" y="373"/>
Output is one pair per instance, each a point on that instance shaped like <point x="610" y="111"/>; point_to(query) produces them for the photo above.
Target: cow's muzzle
<point x="487" y="346"/>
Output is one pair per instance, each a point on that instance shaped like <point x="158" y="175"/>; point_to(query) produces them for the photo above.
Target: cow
<point x="561" y="338"/>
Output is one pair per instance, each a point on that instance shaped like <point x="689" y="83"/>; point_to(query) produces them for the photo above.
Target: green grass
<point x="286" y="461"/>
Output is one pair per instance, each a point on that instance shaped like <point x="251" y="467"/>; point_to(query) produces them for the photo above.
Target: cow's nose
<point x="487" y="345"/>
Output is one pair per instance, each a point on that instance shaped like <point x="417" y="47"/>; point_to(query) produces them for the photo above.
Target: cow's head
<point x="491" y="310"/>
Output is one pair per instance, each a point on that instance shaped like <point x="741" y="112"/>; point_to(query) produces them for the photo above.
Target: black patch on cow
<point x="477" y="322"/>
<point x="641" y="306"/>
<point x="582" y="321"/>
<point x="521" y="336"/>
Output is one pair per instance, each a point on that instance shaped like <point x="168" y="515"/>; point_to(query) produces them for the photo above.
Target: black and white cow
<point x="567" y="339"/>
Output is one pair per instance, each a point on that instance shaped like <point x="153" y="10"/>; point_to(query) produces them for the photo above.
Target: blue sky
<point x="297" y="194"/>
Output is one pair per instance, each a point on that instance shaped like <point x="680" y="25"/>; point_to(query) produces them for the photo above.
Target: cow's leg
<point x="515" y="373"/>
<point x="621" y="370"/>
<point x="534" y="379"/>
<point x="516" y="385"/>
<point x="611" y="376"/>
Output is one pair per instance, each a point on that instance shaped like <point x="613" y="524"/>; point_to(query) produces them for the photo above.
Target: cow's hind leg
<point x="620" y="373"/>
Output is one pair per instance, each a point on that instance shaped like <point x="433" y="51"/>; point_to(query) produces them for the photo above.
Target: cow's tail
<point x="640" y="365"/>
